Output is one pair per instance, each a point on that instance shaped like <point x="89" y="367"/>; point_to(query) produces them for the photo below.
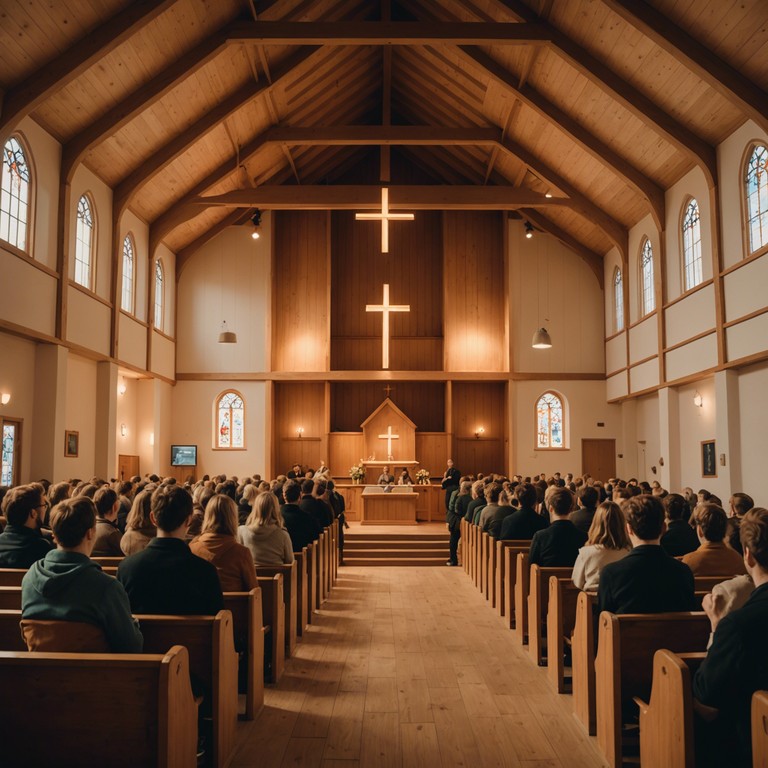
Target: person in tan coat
<point x="218" y="545"/>
<point x="713" y="557"/>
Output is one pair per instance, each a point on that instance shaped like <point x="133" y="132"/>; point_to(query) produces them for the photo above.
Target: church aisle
<point x="410" y="667"/>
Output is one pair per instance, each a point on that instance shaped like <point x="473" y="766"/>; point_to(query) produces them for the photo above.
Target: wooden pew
<point x="583" y="661"/>
<point x="538" y="602"/>
<point x="705" y="583"/>
<point x="760" y="729"/>
<point x="248" y="629"/>
<point x="10" y="632"/>
<point x="311" y="580"/>
<point x="484" y="537"/>
<point x="509" y="577"/>
<point x="624" y="664"/>
<point x="273" y="612"/>
<point x="290" y="596"/>
<point x="143" y="703"/>
<point x="474" y="533"/>
<point x="210" y="643"/>
<point x="11" y="577"/>
<point x="501" y="546"/>
<point x="301" y="591"/>
<point x="321" y="566"/>
<point x="561" y="618"/>
<point x="10" y="598"/>
<point x="522" y="576"/>
<point x="110" y="561"/>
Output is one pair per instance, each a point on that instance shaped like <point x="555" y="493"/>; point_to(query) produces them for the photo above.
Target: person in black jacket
<point x="523" y="523"/>
<point x="647" y="580"/>
<point x="739" y="504"/>
<point x="310" y="502"/>
<point x="453" y="519"/>
<point x="737" y="664"/>
<point x="558" y="545"/>
<point x="680" y="538"/>
<point x="22" y="543"/>
<point x="587" y="499"/>
<point x="301" y="526"/>
<point x="450" y="482"/>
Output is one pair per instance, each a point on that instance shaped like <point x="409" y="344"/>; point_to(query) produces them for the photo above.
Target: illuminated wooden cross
<point x="385" y="308"/>
<point x="385" y="217"/>
<point x="389" y="437"/>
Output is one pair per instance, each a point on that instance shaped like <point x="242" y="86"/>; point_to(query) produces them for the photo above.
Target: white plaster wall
<point x="81" y="416"/>
<point x="747" y="338"/>
<point x="27" y="294"/>
<point x="744" y="289"/>
<point x="127" y="413"/>
<point x="616" y="353"/>
<point x="647" y="432"/>
<point x="697" y="356"/>
<point x="132" y="342"/>
<point x="616" y="386"/>
<point x="644" y="339"/>
<point x="229" y="279"/>
<point x="547" y="280"/>
<point x="88" y="321"/>
<point x="690" y="316"/>
<point x="162" y="355"/>
<point x="644" y="376"/>
<point x="753" y="384"/>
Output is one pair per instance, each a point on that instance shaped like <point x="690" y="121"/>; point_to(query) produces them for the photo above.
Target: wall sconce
<point x="698" y="400"/>
<point x="121" y="388"/>
<point x="479" y="431"/>
<point x="151" y="438"/>
<point x="5" y="398"/>
<point x="123" y="430"/>
<point x="300" y="432"/>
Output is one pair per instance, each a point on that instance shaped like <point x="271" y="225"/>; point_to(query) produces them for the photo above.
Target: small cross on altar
<point x="389" y="437"/>
<point x="384" y="217"/>
<point x="385" y="308"/>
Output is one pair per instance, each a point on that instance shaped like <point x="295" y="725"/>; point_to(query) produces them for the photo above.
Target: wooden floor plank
<point x="419" y="745"/>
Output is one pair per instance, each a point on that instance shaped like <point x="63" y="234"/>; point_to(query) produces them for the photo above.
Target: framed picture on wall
<point x="71" y="443"/>
<point x="708" y="459"/>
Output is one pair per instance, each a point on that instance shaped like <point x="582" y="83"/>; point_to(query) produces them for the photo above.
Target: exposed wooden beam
<point x="163" y="156"/>
<point x="386" y="33"/>
<point x="727" y="81"/>
<point x="581" y="135"/>
<point x="359" y="197"/>
<point x="236" y="217"/>
<point x="23" y="98"/>
<point x="361" y="135"/>
<point x="593" y="260"/>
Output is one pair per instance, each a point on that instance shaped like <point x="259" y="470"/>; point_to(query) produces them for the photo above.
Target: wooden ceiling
<point x="601" y="103"/>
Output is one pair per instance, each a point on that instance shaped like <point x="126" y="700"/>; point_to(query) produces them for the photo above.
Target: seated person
<point x="740" y="504"/>
<point x="713" y="557"/>
<point x="385" y="478"/>
<point x="587" y="499"/>
<point x="22" y="543"/>
<point x="607" y="542"/>
<point x="736" y="665"/>
<point x="108" y="536"/>
<point x="492" y="493"/>
<point x="558" y="545"/>
<point x="301" y="526"/>
<point x="264" y="533"/>
<point x="679" y="538"/>
<point x="312" y="503"/>
<point x="218" y="545"/>
<point x="647" y="580"/>
<point x="525" y="521"/>
<point x="68" y="586"/>
<point x="166" y="577"/>
<point x="478" y="500"/>
<point x="503" y="511"/>
<point x="405" y="478"/>
<point x="139" y="528"/>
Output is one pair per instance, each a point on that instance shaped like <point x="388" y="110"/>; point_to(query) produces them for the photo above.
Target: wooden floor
<point x="411" y="667"/>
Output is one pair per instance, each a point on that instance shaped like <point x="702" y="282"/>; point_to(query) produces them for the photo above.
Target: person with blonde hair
<point x="607" y="542"/>
<point x="139" y="528"/>
<point x="217" y="543"/>
<point x="264" y="533"/>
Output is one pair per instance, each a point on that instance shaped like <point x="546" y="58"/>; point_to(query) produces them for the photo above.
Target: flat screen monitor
<point x="183" y="455"/>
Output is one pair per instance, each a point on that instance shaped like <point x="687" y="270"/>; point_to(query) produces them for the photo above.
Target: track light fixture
<point x="256" y="221"/>
<point x="528" y="230"/>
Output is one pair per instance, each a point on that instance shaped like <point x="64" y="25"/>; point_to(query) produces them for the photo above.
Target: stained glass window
<point x="550" y="431"/>
<point x="83" y="242"/>
<point x="14" y="195"/>
<point x="159" y="283"/>
<point x="692" y="263"/>
<point x="647" y="296"/>
<point x="756" y="179"/>
<point x="8" y="453"/>
<point x="129" y="271"/>
<point x="230" y="420"/>
<point x="618" y="301"/>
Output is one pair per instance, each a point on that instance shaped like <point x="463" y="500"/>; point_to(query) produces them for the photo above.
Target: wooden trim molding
<point x="645" y="360"/>
<point x="690" y="340"/>
<point x="746" y="260"/>
<point x="88" y="292"/>
<point x="687" y="293"/>
<point x="643" y="319"/>
<point x="135" y="319"/>
<point x="164" y="334"/>
<point x="615" y="335"/>
<point x="14" y="251"/>
<point x="436" y="376"/>
<point x="616" y="372"/>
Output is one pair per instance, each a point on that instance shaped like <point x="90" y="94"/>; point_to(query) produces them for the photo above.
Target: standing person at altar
<point x="450" y="483"/>
<point x="385" y="478"/>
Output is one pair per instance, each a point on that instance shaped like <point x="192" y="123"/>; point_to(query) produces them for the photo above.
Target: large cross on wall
<point x="384" y="217"/>
<point x="389" y="436"/>
<point x="385" y="308"/>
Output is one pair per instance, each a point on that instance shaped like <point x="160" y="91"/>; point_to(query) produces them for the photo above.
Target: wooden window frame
<point x="132" y="309"/>
<point x="564" y="406"/>
<point x="28" y="250"/>
<point x="217" y="400"/>
<point x="748" y="253"/>
<point x="92" y="250"/>
<point x="683" y="215"/>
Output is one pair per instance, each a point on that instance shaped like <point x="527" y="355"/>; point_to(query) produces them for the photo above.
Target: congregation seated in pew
<point x="525" y="520"/>
<point x="557" y="545"/>
<point x="108" y="536"/>
<point x="713" y="557"/>
<point x="139" y="528"/>
<point x="738" y="506"/>
<point x="679" y="539"/>
<point x="607" y="543"/>
<point x="22" y="542"/>
<point x="301" y="526"/>
<point x="264" y="534"/>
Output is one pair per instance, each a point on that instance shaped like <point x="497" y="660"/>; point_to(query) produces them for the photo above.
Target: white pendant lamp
<point x="541" y="339"/>
<point x="227" y="337"/>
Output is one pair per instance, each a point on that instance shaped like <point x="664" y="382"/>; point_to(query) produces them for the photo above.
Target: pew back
<point x="289" y="573"/>
<point x="561" y="618"/>
<point x="11" y="577"/>
<point x="583" y="661"/>
<point x="273" y="611"/>
<point x="538" y="602"/>
<point x="510" y="580"/>
<point x="522" y="584"/>
<point x="302" y="591"/>
<point x="760" y="729"/>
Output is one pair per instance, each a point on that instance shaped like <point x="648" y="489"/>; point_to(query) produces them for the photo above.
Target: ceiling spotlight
<point x="256" y="221"/>
<point x="528" y="230"/>
<point x="548" y="195"/>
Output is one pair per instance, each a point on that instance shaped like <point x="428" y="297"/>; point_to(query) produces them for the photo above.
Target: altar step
<point x="379" y="549"/>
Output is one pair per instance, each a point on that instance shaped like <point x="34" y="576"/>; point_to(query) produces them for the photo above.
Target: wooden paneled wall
<point x="345" y="449"/>
<point x="475" y="324"/>
<point x="413" y="269"/>
<point x="300" y="295"/>
<point x="479" y="405"/>
<point x="432" y="451"/>
<point x="299" y="405"/>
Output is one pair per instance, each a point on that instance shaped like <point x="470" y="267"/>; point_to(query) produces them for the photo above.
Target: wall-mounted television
<point x="183" y="455"/>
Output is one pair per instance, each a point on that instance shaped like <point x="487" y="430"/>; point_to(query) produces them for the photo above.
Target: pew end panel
<point x="760" y="729"/>
<point x="583" y="661"/>
<point x="538" y="603"/>
<point x="289" y="573"/>
<point x="522" y="585"/>
<point x="273" y="605"/>
<point x="561" y="619"/>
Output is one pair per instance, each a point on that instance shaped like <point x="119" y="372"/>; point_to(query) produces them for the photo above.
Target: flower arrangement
<point x="422" y="477"/>
<point x="357" y="472"/>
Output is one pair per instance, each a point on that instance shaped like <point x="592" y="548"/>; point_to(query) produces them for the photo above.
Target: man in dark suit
<point x="680" y="538"/>
<point x="524" y="522"/>
<point x="312" y="504"/>
<point x="647" y="580"/>
<point x="736" y="665"/>
<point x="450" y="483"/>
<point x="587" y="498"/>
<point x="740" y="504"/>
<point x="301" y="526"/>
<point x="558" y="545"/>
<point x="22" y="543"/>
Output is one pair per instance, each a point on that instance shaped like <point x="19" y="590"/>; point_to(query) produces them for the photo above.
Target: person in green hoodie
<point x="67" y="585"/>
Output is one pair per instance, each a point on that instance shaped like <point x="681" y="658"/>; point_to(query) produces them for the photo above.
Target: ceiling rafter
<point x="721" y="76"/>
<point x="24" y="98"/>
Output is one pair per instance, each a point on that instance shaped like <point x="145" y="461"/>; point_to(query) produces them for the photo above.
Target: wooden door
<point x="598" y="458"/>
<point x="127" y="466"/>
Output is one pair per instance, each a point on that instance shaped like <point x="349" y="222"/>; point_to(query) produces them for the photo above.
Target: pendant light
<point x="541" y="338"/>
<point x="227" y="337"/>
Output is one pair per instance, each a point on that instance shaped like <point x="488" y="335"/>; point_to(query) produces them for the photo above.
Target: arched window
<point x="15" y="188"/>
<point x="647" y="296"/>
<point x="159" y="295"/>
<point x="692" y="264"/>
<point x="84" y="242"/>
<point x="129" y="273"/>
<point x="756" y="179"/>
<point x="618" y="301"/>
<point x="550" y="425"/>
<point x="230" y="420"/>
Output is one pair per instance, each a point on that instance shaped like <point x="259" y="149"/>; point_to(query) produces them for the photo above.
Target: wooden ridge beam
<point x="368" y="197"/>
<point x="372" y="135"/>
<point x="23" y="98"/>
<point x="386" y="33"/>
<point x="727" y="81"/>
<point x="600" y="151"/>
<point x="166" y="154"/>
